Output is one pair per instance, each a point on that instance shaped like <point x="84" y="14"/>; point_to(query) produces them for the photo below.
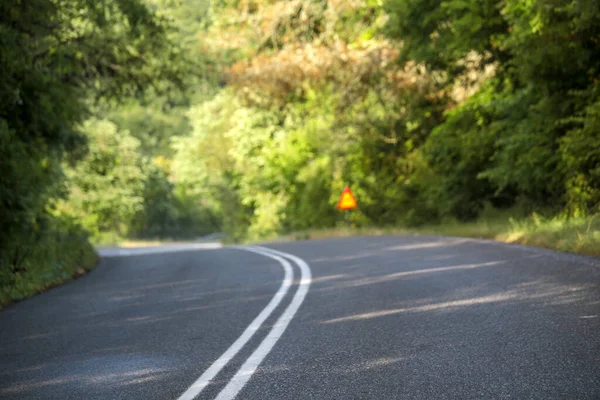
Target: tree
<point x="107" y="185"/>
<point x="57" y="57"/>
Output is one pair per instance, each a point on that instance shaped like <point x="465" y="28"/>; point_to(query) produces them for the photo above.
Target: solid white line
<point x="218" y="365"/>
<point x="247" y="370"/>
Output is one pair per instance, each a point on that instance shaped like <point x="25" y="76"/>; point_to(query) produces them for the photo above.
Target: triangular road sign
<point x="347" y="200"/>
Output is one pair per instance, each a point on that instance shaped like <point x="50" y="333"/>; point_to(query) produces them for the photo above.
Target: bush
<point x="56" y="252"/>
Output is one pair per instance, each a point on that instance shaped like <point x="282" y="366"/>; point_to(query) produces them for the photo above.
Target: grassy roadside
<point x="576" y="235"/>
<point x="51" y="260"/>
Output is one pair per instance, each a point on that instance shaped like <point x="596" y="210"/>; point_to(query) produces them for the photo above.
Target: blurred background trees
<point x="177" y="118"/>
<point x="430" y="110"/>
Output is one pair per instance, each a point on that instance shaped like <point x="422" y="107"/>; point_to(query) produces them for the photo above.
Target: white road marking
<point x="218" y="365"/>
<point x="244" y="374"/>
<point x="169" y="248"/>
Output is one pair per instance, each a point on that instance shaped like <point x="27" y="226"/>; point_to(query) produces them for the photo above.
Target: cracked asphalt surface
<point x="391" y="317"/>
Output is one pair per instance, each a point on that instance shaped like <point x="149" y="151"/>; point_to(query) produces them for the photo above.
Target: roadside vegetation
<point x="138" y="120"/>
<point x="574" y="235"/>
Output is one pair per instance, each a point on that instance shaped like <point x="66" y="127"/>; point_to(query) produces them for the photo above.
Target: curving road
<point x="356" y="318"/>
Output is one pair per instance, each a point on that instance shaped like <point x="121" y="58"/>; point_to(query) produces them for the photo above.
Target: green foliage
<point x="432" y="111"/>
<point x="153" y="122"/>
<point x="496" y="147"/>
<point x="522" y="136"/>
<point x="117" y="192"/>
<point x="57" y="58"/>
<point x="580" y="150"/>
<point x="486" y="103"/>
<point x="166" y="213"/>
<point x="443" y="33"/>
<point x="107" y="185"/>
<point x="56" y="251"/>
<point x="576" y="235"/>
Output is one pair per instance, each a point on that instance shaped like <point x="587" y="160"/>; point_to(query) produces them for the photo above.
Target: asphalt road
<point x="381" y="318"/>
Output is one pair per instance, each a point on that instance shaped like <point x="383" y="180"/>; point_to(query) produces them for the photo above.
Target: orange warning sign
<point x="347" y="200"/>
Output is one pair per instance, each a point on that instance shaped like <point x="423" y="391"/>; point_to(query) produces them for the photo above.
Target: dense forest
<point x="132" y="119"/>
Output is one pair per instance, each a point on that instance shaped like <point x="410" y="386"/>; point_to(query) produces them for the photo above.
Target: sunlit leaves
<point x="106" y="187"/>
